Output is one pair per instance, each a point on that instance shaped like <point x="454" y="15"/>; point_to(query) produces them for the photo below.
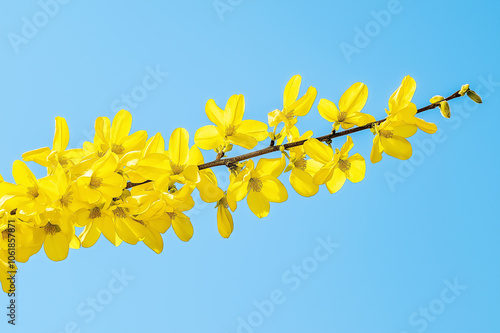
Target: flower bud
<point x="464" y="89"/>
<point x="475" y="97"/>
<point x="445" y="109"/>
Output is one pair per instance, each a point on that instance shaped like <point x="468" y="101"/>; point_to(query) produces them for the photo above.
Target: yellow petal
<point x="354" y="98"/>
<point x="183" y="228"/>
<point x="318" y="151"/>
<point x="403" y="95"/>
<point x="271" y="166"/>
<point x="61" y="137"/>
<point x="302" y="106"/>
<point x="273" y="189"/>
<point x="377" y="149"/>
<point x="153" y="166"/>
<point x="22" y="174"/>
<point x="328" y="110"/>
<point x="122" y="122"/>
<point x="254" y="128"/>
<point x="154" y="241"/>
<point x="38" y="156"/>
<point x="242" y="140"/>
<point x="209" y="191"/>
<point x="397" y="147"/>
<point x="425" y="126"/>
<point x="224" y="221"/>
<point x="405" y="130"/>
<point x="337" y="181"/>
<point x="102" y="129"/>
<point x="90" y="235"/>
<point x="214" y="113"/>
<point x="291" y="90"/>
<point x="178" y="146"/>
<point x="233" y="113"/>
<point x="56" y="246"/>
<point x="129" y="230"/>
<point x="302" y="183"/>
<point x="258" y="204"/>
<point x="323" y="175"/>
<point x="356" y="172"/>
<point x="208" y="137"/>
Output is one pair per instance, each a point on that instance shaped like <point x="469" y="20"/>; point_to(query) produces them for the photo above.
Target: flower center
<point x="66" y="199"/>
<point x="386" y="133"/>
<point x="230" y="130"/>
<point x="342" y="116"/>
<point x="51" y="229"/>
<point x="117" y="149"/>
<point x="33" y="192"/>
<point x="5" y="234"/>
<point x="95" y="182"/>
<point x="172" y="215"/>
<point x="255" y="184"/>
<point x="300" y="163"/>
<point x="120" y="212"/>
<point x="177" y="169"/>
<point x="95" y="213"/>
<point x="344" y="165"/>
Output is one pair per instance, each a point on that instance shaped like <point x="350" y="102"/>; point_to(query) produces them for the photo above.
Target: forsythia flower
<point x="230" y="127"/>
<point x="390" y="138"/>
<point x="348" y="114"/>
<point x="336" y="167"/>
<point x="301" y="168"/>
<point x="292" y="107"/>
<point x="402" y="109"/>
<point x="260" y="184"/>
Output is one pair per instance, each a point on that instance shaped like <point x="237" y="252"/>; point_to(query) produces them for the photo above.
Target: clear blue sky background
<point x="419" y="254"/>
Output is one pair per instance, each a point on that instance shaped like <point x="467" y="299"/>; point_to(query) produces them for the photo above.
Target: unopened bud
<point x="475" y="97"/>
<point x="445" y="109"/>
<point x="436" y="99"/>
<point x="464" y="89"/>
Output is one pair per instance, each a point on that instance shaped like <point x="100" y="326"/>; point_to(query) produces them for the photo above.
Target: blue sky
<point x="412" y="248"/>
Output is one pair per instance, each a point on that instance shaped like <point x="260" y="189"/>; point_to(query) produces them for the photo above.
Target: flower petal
<point x="258" y="204"/>
<point x="354" y="98"/>
<point x="318" y="151"/>
<point x="178" y="146"/>
<point x="302" y="183"/>
<point x="337" y="181"/>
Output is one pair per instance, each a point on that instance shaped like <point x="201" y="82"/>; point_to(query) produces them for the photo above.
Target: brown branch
<point x="231" y="160"/>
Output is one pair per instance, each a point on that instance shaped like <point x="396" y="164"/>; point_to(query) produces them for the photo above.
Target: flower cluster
<point x="132" y="188"/>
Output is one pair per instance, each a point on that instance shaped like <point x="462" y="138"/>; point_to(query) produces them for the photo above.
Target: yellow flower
<point x="101" y="181"/>
<point x="31" y="195"/>
<point x="390" y="137"/>
<point x="57" y="234"/>
<point x="96" y="219"/>
<point x="224" y="218"/>
<point x="292" y="107"/>
<point x="115" y="137"/>
<point x="230" y="127"/>
<point x="58" y="154"/>
<point x="336" y="167"/>
<point x="261" y="184"/>
<point x="348" y="113"/>
<point x="181" y="168"/>
<point x="402" y="109"/>
<point x="302" y="169"/>
<point x="207" y="185"/>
